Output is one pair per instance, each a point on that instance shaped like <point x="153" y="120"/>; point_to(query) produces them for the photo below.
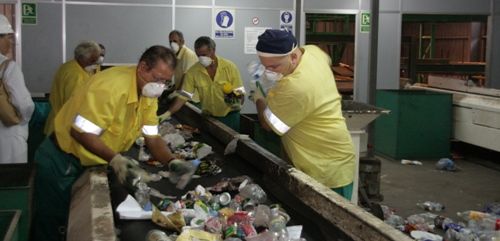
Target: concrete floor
<point x="476" y="184"/>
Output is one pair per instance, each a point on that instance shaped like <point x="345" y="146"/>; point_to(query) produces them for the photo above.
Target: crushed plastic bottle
<point x="431" y="206"/>
<point x="386" y="211"/>
<point x="462" y="234"/>
<point x="472" y="215"/>
<point x="395" y="221"/>
<point x="425" y="236"/>
<point x="142" y="196"/>
<point x="262" y="215"/>
<point x="446" y="164"/>
<point x="277" y="225"/>
<point x="157" y="235"/>
<point x="489" y="236"/>
<point x="254" y="192"/>
<point x="492" y="208"/>
<point x="488" y="223"/>
<point x="422" y="221"/>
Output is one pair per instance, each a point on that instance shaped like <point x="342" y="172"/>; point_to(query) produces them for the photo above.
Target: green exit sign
<point x="365" y="22"/>
<point x="29" y="13"/>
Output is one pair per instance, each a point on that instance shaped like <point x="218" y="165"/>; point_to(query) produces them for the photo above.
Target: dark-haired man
<point x="217" y="82"/>
<point x="99" y="121"/>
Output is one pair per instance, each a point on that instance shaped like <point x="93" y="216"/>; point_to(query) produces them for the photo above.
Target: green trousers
<point x="56" y="171"/>
<point x="232" y="119"/>
<point x="344" y="191"/>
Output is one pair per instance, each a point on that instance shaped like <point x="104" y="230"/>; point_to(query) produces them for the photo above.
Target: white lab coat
<point x="13" y="139"/>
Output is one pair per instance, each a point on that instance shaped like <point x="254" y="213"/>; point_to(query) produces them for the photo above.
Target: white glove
<point x="165" y="116"/>
<point x="182" y="171"/>
<point x="121" y="164"/>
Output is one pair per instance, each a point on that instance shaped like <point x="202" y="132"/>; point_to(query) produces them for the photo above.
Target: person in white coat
<point x="13" y="139"/>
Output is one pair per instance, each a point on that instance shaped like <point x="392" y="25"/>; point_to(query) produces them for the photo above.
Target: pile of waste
<point x="233" y="209"/>
<point x="470" y="225"/>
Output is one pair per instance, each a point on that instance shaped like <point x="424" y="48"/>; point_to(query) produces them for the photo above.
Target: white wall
<point x="128" y="27"/>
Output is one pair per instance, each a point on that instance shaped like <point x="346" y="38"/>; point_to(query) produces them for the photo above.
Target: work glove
<point x="181" y="171"/>
<point x="165" y="116"/>
<point x="121" y="165"/>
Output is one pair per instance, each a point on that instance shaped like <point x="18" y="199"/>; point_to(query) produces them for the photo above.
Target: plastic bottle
<point x="422" y="221"/>
<point x="431" y="206"/>
<point x="463" y="234"/>
<point x="395" y="220"/>
<point x="142" y="196"/>
<point x="492" y="208"/>
<point x="277" y="225"/>
<point x="488" y="223"/>
<point x="472" y="215"/>
<point x="256" y="71"/>
<point x="489" y="236"/>
<point x="254" y="192"/>
<point x="262" y="216"/>
<point x="446" y="164"/>
<point x="157" y="235"/>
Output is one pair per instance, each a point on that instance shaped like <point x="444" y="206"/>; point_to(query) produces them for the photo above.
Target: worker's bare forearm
<point x="159" y="149"/>
<point x="92" y="143"/>
<point x="177" y="105"/>
<point x="261" y="106"/>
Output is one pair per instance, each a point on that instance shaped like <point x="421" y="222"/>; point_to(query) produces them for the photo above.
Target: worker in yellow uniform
<point x="218" y="83"/>
<point x="101" y="120"/>
<point x="185" y="59"/>
<point x="71" y="76"/>
<point x="304" y="107"/>
<point x="185" y="56"/>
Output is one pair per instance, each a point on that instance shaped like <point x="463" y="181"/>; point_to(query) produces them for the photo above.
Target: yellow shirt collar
<point x="181" y="52"/>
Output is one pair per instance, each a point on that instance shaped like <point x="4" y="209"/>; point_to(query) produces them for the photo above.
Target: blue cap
<point x="275" y="42"/>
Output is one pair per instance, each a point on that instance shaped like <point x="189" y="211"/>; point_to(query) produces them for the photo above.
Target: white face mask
<point x="175" y="47"/>
<point x="272" y="76"/>
<point x="100" y="60"/>
<point x="90" y="68"/>
<point x="153" y="89"/>
<point x="205" y="61"/>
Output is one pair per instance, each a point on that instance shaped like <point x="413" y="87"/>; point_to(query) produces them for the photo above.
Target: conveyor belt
<point x="231" y="165"/>
<point x="308" y="203"/>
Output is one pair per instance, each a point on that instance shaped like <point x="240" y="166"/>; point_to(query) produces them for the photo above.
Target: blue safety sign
<point x="286" y="17"/>
<point x="224" y="19"/>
